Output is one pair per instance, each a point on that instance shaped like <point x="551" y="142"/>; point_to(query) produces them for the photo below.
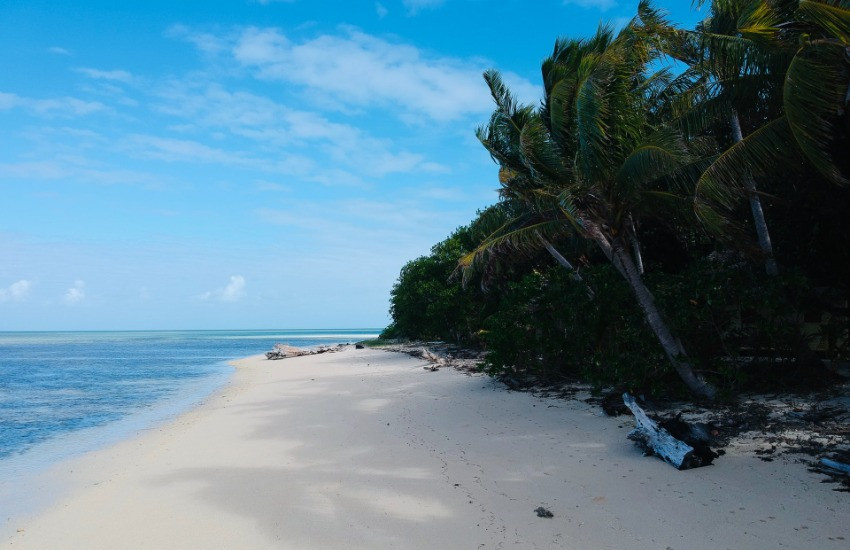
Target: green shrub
<point x="739" y="327"/>
<point x="548" y="326"/>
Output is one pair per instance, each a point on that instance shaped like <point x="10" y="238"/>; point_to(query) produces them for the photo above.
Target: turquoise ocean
<point x="65" y="393"/>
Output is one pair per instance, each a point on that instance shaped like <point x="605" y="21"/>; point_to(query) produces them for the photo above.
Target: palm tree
<point x="727" y="74"/>
<point x="593" y="159"/>
<point x="784" y="64"/>
<point x="525" y="219"/>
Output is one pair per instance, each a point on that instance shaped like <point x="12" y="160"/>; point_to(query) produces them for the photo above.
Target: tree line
<point x="674" y="213"/>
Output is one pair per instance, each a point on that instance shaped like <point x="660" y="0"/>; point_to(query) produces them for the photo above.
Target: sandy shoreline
<point x="365" y="449"/>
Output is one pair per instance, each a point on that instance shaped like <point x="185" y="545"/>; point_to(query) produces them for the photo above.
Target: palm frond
<point x="657" y="155"/>
<point x="591" y="125"/>
<point x="759" y="21"/>
<point x="505" y="102"/>
<point x="813" y="93"/>
<point x="519" y="236"/>
<point x="540" y="155"/>
<point x="758" y="155"/>
<point x="834" y="19"/>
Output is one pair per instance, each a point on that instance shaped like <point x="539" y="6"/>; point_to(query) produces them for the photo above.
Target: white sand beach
<point x="364" y="449"/>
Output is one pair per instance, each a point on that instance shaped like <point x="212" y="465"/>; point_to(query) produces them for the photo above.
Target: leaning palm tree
<point x="593" y="158"/>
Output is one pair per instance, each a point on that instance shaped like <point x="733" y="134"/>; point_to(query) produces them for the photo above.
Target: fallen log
<point x="282" y="351"/>
<point x="285" y="351"/>
<point x="656" y="440"/>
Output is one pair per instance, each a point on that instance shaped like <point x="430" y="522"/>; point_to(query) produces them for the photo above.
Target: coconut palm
<point x="593" y="159"/>
<point x="526" y="219"/>
<point x="783" y="64"/>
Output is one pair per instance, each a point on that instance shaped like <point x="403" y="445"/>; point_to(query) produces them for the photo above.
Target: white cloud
<point x="232" y="292"/>
<point x="357" y="69"/>
<point x="179" y="150"/>
<point x="171" y="150"/>
<point x="58" y="51"/>
<point x="350" y="70"/>
<point x="415" y="6"/>
<point x="61" y="106"/>
<point x="114" y="75"/>
<point x="381" y="10"/>
<point x="76" y="293"/>
<point x="523" y="90"/>
<point x="16" y="292"/>
<point x="272" y="126"/>
<point x="598" y="4"/>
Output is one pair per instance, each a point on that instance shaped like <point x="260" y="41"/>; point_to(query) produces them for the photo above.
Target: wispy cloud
<point x="58" y="51"/>
<point x="356" y="69"/>
<point x="232" y="292"/>
<point x="61" y="106"/>
<point x="68" y="168"/>
<point x="116" y="75"/>
<point x="273" y="125"/>
<point x="381" y="10"/>
<point x="206" y="42"/>
<point x="415" y="6"/>
<point x="355" y="219"/>
<point x="597" y="4"/>
<point x="16" y="292"/>
<point x="76" y="294"/>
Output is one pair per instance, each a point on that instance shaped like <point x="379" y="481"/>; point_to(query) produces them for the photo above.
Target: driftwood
<point x="440" y="354"/>
<point x="687" y="449"/>
<point x="285" y="351"/>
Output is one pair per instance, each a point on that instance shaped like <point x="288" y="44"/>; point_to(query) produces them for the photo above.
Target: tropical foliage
<point x="621" y="237"/>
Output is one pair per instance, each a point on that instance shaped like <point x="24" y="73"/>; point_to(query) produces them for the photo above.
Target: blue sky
<point x="248" y="163"/>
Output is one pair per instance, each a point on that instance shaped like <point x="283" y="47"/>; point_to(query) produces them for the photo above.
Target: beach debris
<point x="285" y="351"/>
<point x="835" y="465"/>
<point x="440" y="353"/>
<point x="691" y="451"/>
<point x="836" y="469"/>
<point x="612" y="404"/>
<point x="543" y="512"/>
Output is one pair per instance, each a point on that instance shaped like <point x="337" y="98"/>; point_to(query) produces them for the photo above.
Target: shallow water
<point x="62" y="393"/>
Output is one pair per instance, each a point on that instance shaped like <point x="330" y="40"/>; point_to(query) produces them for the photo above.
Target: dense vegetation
<point x="674" y="211"/>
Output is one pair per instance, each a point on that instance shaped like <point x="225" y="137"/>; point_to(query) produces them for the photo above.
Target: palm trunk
<point x="635" y="246"/>
<point x="558" y="257"/>
<point x="755" y="206"/>
<point x="564" y="263"/>
<point x="672" y="346"/>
